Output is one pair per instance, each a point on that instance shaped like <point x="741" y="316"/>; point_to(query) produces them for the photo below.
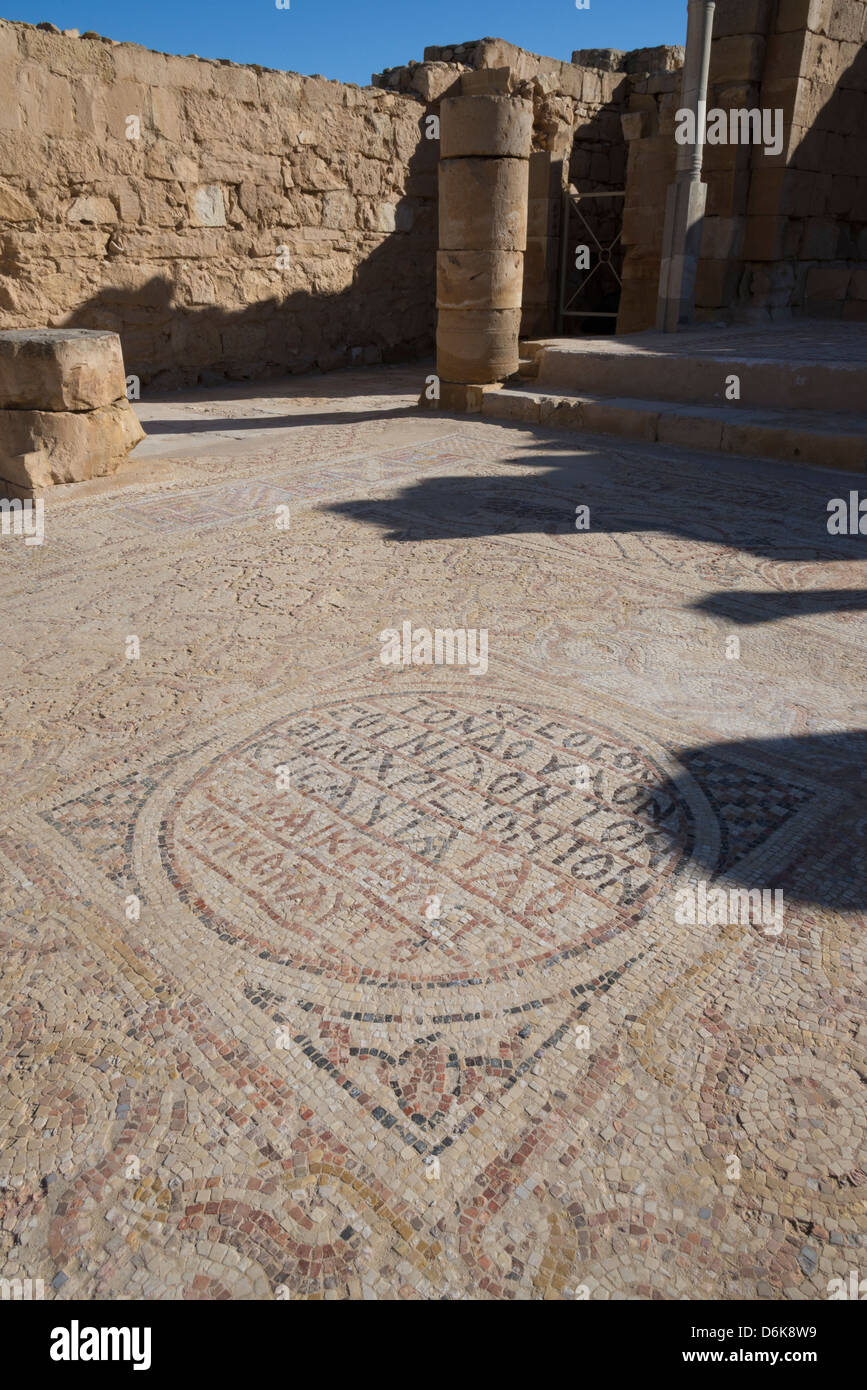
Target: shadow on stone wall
<point x="825" y="166"/>
<point x="386" y="314"/>
<point x="809" y="247"/>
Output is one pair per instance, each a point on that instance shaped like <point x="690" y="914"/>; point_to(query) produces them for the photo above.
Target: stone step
<point x="698" y="378"/>
<point x="826" y="439"/>
<point x="528" y="368"/>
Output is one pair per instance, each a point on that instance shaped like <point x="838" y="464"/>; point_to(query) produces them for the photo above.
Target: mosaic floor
<point x="324" y="978"/>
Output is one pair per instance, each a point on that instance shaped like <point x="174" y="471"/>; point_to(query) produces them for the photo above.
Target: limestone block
<point x="487" y="82"/>
<point x="537" y="320"/>
<point x="66" y="369"/>
<point x="827" y="284"/>
<point x="743" y="17"/>
<point x="39" y="447"/>
<point x="94" y="210"/>
<point x="802" y="14"/>
<point x="738" y="58"/>
<point x="773" y="286"/>
<point x="615" y="416"/>
<point x="464" y="398"/>
<point x="540" y="260"/>
<point x="729" y="189"/>
<point x="849" y="65"/>
<point x="313" y="175"/>
<point x="766" y="193"/>
<point x="820" y="240"/>
<point x="690" y="430"/>
<point x="722" y="237"/>
<point x="858" y="284"/>
<point x="487" y="126"/>
<point x="799" y="54"/>
<point x="606" y="59"/>
<point x="715" y="283"/>
<point x="561" y="412"/>
<point x="165" y="113"/>
<point x="612" y="86"/>
<point x="15" y="206"/>
<point x="164" y="162"/>
<point x="483" y="204"/>
<point x="546" y="175"/>
<point x="763" y="238"/>
<point x="591" y="87"/>
<point x="477" y="345"/>
<point x="571" y="80"/>
<point x="512" y="405"/>
<point x="806" y="193"/>
<point x="479" y="279"/>
<point x="634" y="124"/>
<point x="542" y="217"/>
<point x="207" y="208"/>
<point x="841" y="198"/>
<point x="338" y="210"/>
<point x="435" y="80"/>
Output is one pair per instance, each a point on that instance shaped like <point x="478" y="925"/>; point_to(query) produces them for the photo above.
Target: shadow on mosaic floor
<point x="746" y="607"/>
<point x="761" y="788"/>
<point x="223" y="423"/>
<point x="776" y="513"/>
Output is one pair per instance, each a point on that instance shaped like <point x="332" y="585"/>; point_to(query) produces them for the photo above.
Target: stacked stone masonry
<point x="237" y="221"/>
<point x="224" y="220"/>
<point x="484" y="153"/>
<point x="64" y="413"/>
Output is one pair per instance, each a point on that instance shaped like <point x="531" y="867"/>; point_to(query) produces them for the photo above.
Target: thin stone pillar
<point x="483" y="189"/>
<point x="684" y="204"/>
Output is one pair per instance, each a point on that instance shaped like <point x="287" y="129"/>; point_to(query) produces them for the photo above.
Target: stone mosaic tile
<point x="323" y="979"/>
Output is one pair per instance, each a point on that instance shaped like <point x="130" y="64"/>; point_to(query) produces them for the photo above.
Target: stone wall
<point x="261" y="221"/>
<point x="787" y="234"/>
<point x="648" y="126"/>
<point x="782" y="234"/>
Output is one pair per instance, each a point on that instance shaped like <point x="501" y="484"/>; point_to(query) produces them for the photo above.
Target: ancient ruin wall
<point x="261" y="221"/>
<point x="787" y="234"/>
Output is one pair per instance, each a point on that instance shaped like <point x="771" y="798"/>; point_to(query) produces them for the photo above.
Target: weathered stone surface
<point x="435" y="80"/>
<point x="488" y="126"/>
<point x="477" y="345"/>
<point x="64" y="369"/>
<point x="634" y="124"/>
<point x="220" y="165"/>
<point x="39" y="448"/>
<point x="487" y="81"/>
<point x="463" y="398"/>
<point x="479" y="279"/>
<point x="93" y="210"/>
<point x="15" y="206"/>
<point x="512" y="405"/>
<point x="483" y="203"/>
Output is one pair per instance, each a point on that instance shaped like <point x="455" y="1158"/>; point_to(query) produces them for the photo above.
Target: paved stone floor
<point x="802" y="340"/>
<point x="330" y="978"/>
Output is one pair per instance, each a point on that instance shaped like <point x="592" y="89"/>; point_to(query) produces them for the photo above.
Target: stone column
<point x="483" y="189"/>
<point x="684" y="206"/>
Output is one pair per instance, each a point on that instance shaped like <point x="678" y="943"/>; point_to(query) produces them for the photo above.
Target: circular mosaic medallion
<point x="424" y="839"/>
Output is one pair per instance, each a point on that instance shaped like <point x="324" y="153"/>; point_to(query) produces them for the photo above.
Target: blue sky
<point x="350" y="39"/>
